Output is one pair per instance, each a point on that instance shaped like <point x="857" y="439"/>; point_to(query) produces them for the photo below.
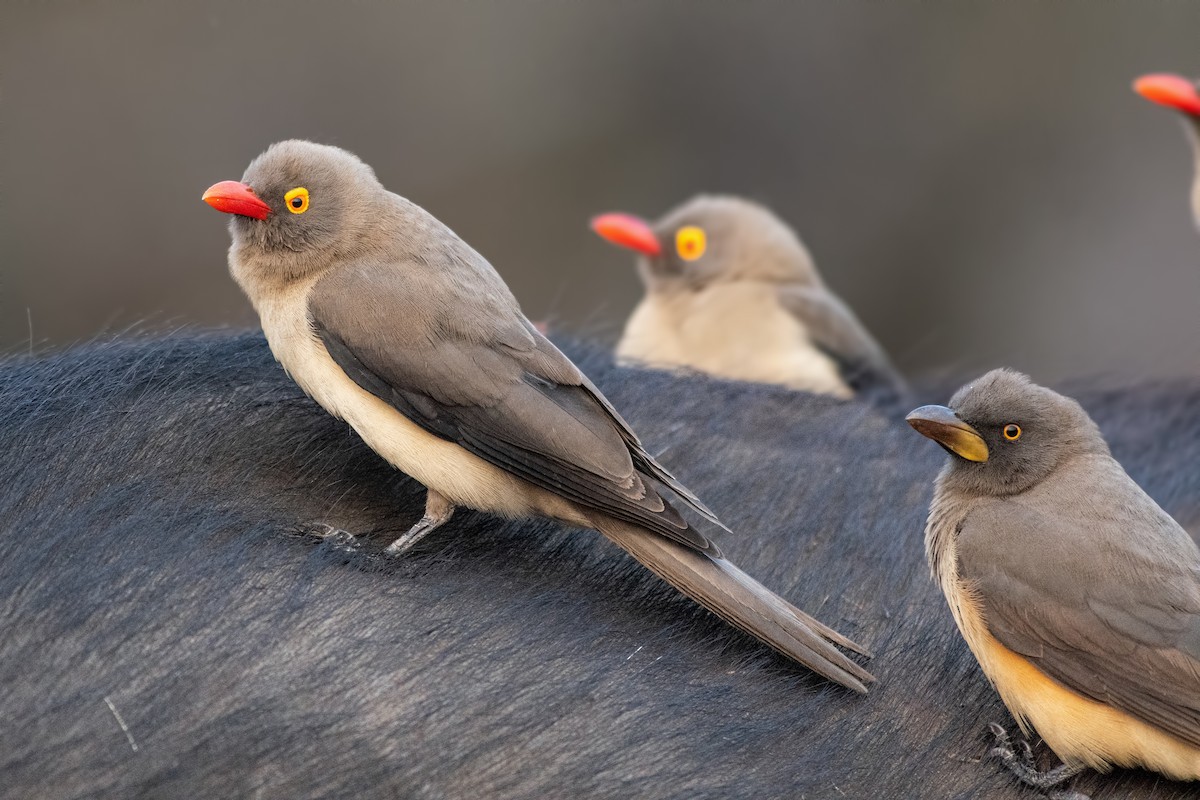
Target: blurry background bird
<point x="927" y="153"/>
<point x="1181" y="94"/>
<point x="732" y="291"/>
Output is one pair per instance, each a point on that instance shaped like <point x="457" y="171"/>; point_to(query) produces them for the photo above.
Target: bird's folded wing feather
<point x="1102" y="595"/>
<point x="474" y="371"/>
<point x="835" y="330"/>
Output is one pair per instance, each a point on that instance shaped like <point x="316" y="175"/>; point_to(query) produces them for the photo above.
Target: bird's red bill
<point x="236" y="198"/>
<point x="626" y="230"/>
<point x="1173" y="91"/>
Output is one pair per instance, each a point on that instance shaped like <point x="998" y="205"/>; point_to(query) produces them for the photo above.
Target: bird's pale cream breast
<point x="732" y="330"/>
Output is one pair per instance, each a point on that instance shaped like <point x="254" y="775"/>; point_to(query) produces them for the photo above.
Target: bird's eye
<point x="690" y="242"/>
<point x="296" y="200"/>
<point x="1012" y="432"/>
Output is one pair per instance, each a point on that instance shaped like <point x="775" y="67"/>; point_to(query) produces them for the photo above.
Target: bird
<point x="732" y="291"/>
<point x="1077" y="594"/>
<point x="394" y="324"/>
<point x="1183" y="95"/>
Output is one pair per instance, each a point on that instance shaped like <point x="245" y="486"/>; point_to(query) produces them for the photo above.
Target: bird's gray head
<point x="1006" y="434"/>
<point x="298" y="205"/>
<point x="711" y="239"/>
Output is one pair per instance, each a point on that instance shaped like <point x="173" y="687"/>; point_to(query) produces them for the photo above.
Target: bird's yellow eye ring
<point x="296" y="200"/>
<point x="690" y="242"/>
<point x="1012" y="432"/>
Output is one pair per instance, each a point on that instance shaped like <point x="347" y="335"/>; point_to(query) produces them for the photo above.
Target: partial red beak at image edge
<point x="629" y="231"/>
<point x="236" y="198"/>
<point x="1169" y="90"/>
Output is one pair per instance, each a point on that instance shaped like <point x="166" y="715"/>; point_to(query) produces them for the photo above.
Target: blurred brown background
<point x="978" y="180"/>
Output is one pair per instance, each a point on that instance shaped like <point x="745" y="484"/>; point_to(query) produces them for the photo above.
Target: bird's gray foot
<point x="1020" y="762"/>
<point x="335" y="537"/>
<point x="437" y="510"/>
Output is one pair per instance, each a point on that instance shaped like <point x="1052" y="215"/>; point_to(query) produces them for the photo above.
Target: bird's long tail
<point x="743" y="602"/>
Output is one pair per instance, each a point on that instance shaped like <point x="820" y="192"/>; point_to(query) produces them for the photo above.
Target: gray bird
<point x="1181" y="94"/>
<point x="395" y="325"/>
<point x="1077" y="594"/>
<point x="731" y="291"/>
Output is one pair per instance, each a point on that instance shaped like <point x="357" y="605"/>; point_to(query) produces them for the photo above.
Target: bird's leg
<point x="1025" y="768"/>
<point x="437" y="510"/>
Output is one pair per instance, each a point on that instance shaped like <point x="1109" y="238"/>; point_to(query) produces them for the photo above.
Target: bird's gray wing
<point x="1101" y="592"/>
<point x="641" y="458"/>
<point x="469" y="368"/>
<point x="837" y="332"/>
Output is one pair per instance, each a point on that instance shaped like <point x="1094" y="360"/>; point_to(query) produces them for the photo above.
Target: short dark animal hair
<point x="170" y="628"/>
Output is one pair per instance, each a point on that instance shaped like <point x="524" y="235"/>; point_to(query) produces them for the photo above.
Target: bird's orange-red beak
<point x="236" y="198"/>
<point x="1173" y="91"/>
<point x="626" y="230"/>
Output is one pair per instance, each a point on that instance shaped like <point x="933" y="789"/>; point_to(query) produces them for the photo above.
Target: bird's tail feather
<point x="741" y="601"/>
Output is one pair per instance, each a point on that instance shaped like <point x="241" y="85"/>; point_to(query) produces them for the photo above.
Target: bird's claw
<point x="1024" y="767"/>
<point x="1003" y="747"/>
<point x="334" y="537"/>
